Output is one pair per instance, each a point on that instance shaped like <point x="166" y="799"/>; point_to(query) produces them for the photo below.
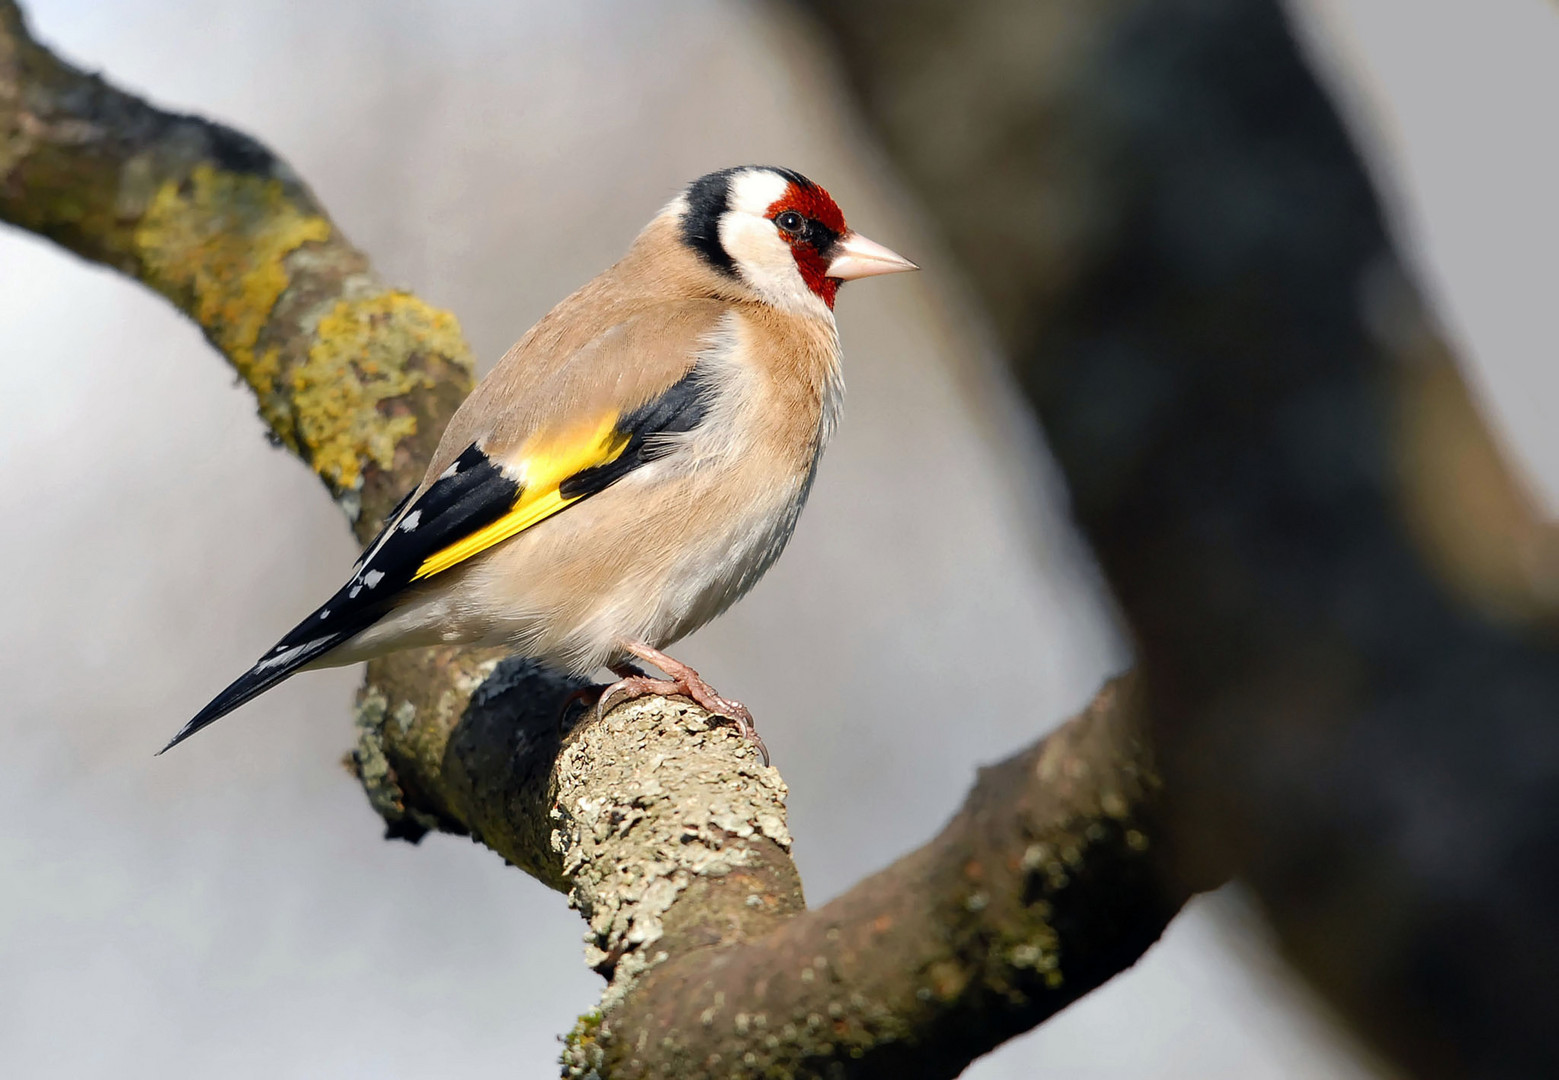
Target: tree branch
<point x="665" y="831"/>
<point x="670" y="838"/>
<point x="1342" y="597"/>
<point x="354" y="377"/>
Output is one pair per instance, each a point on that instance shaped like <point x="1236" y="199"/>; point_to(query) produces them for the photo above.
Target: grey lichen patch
<point x="582" y="1057"/>
<point x="373" y="766"/>
<point x="1044" y="860"/>
<point x="652" y="798"/>
<point x="1040" y="952"/>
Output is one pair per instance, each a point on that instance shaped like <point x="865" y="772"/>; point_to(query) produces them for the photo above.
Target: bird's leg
<point x="633" y="683"/>
<point x="631" y="680"/>
<point x="689" y="682"/>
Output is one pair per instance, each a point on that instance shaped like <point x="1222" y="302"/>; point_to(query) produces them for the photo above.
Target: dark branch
<point x="1343" y="599"/>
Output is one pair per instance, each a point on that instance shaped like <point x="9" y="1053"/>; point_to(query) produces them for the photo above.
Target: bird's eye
<point x="790" y="221"/>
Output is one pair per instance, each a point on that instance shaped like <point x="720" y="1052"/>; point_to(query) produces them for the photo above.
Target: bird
<point x="632" y="465"/>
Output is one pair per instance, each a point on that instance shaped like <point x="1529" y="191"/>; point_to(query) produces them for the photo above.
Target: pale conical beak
<point x="854" y="256"/>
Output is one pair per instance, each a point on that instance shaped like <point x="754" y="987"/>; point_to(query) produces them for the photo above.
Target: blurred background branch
<point x="1342" y="596"/>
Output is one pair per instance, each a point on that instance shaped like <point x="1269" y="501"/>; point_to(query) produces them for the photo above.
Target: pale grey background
<point x="228" y="910"/>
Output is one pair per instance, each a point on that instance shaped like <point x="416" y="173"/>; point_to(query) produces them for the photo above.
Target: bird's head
<point x="779" y="234"/>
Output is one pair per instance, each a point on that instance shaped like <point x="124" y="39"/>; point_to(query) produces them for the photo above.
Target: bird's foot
<point x="634" y="683"/>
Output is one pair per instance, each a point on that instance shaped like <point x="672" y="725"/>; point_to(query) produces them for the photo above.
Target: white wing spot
<point x="282" y="655"/>
<point x="372" y="578"/>
<point x="324" y="613"/>
<point x="451" y="471"/>
<point x="410" y="522"/>
<point x="355" y="590"/>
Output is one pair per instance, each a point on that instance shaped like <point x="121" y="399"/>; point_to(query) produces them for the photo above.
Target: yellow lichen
<point x="263" y="371"/>
<point x="360" y="358"/>
<point x="214" y="243"/>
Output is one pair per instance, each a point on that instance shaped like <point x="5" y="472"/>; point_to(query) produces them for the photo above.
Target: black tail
<point x="308" y="641"/>
<point x="256" y="681"/>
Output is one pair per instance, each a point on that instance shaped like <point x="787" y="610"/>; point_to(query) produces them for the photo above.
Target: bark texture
<point x="1050" y="880"/>
<point x="664" y="829"/>
<point x="1342" y="597"/>
<point x="669" y="836"/>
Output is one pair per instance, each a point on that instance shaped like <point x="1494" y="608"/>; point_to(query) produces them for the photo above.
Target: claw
<point x="589" y="696"/>
<point x="635" y="686"/>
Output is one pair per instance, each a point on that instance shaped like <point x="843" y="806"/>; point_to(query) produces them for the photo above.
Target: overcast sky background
<point x="228" y="910"/>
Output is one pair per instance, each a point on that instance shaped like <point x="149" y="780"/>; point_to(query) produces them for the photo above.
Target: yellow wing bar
<point x="545" y="462"/>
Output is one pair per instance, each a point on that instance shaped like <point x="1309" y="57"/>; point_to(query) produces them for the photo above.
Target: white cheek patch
<point x="762" y="257"/>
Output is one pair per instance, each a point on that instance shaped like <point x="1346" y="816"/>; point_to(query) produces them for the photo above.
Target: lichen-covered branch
<point x="1049" y="881"/>
<point x="356" y="378"/>
<point x="670" y="837"/>
<point x="665" y="829"/>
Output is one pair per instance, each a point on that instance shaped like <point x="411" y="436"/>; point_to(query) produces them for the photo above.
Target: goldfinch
<point x="631" y="467"/>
